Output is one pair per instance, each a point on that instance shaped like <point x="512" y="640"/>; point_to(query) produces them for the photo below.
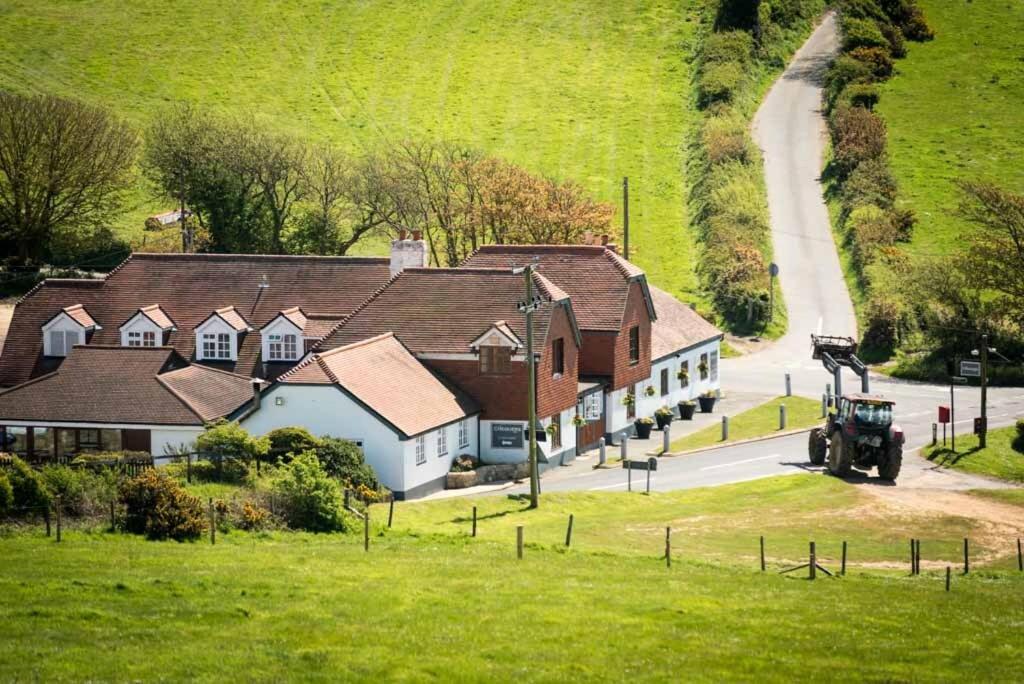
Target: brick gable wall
<point x="558" y="394"/>
<point x="636" y="314"/>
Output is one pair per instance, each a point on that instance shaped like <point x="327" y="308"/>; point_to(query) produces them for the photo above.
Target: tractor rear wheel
<point x="840" y="456"/>
<point x="817" y="446"/>
<point x="890" y="468"/>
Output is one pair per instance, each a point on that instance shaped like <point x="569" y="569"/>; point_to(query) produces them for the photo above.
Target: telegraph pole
<point x="625" y="218"/>
<point x="984" y="391"/>
<point x="528" y="307"/>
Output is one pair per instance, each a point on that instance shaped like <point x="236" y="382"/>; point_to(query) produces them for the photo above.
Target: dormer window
<point x="496" y="346"/>
<point x="148" y="327"/>
<point x="282" y="336"/>
<point x="66" y="329"/>
<point x="217" y="338"/>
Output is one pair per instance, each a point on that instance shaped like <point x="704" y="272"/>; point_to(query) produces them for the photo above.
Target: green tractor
<point x="862" y="435"/>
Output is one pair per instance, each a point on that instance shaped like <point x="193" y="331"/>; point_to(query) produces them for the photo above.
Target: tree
<point x="64" y="167"/>
<point x="995" y="252"/>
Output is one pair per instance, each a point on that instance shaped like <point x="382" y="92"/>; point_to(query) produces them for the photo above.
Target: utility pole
<point x="528" y="307"/>
<point x="625" y="217"/>
<point x="984" y="391"/>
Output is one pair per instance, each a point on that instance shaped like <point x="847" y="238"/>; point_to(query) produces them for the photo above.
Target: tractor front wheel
<point x="840" y="456"/>
<point x="817" y="446"/>
<point x="890" y="468"/>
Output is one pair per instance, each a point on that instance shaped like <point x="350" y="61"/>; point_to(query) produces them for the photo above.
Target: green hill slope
<point x="954" y="111"/>
<point x="589" y="90"/>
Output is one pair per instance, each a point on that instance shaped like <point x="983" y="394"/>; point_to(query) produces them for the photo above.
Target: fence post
<point x="949" y="573"/>
<point x="474" y="521"/>
<point x="347" y="498"/>
<point x="391" y="511"/>
<point x="762" y="553"/>
<point x="629" y="477"/>
<point x="913" y="556"/>
<point x="967" y="559"/>
<point x="668" y="547"/>
<point x="366" y="530"/>
<point x="789" y="386"/>
<point x="935" y="434"/>
<point x="813" y="565"/>
<point x="113" y="522"/>
<point x="568" y="532"/>
<point x="917" y="558"/>
<point x="782" y="416"/>
<point x="601" y="455"/>
<point x="1020" y="557"/>
<point x="842" y="568"/>
<point x="188" y="467"/>
<point x="213" y="523"/>
<point x="725" y="428"/>
<point x="519" y="542"/>
<point x="59" y="518"/>
<point x="46" y="516"/>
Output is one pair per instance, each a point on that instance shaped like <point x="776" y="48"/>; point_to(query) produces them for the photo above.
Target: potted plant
<point x="707" y="402"/>
<point x="684" y="377"/>
<point x="664" y="417"/>
<point x="650" y="392"/>
<point x="686" y="409"/>
<point x="629" y="400"/>
<point x="578" y="421"/>
<point x="643" y="427"/>
<point x="702" y="368"/>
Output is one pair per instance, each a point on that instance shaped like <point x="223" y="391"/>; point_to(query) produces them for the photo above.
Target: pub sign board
<point x="506" y="436"/>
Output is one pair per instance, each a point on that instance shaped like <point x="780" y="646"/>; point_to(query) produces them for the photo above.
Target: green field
<point x="586" y="89"/>
<point x="760" y="421"/>
<point x="429" y="603"/>
<point x="1003" y="456"/>
<point x="953" y="111"/>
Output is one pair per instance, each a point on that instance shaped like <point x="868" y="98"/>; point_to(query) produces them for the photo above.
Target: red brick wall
<point x="636" y="314"/>
<point x="502" y="397"/>
<point x="597" y="355"/>
<point x="557" y="394"/>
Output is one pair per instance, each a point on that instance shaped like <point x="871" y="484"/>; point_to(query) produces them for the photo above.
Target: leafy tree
<point x="64" y="167"/>
<point x="309" y="496"/>
<point x="228" y="442"/>
<point x="995" y="253"/>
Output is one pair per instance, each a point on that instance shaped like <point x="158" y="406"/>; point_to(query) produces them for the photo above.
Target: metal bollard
<point x="789" y="386"/>
<point x="782" y="416"/>
<point x="666" y="438"/>
<point x="624" y="448"/>
<point x="601" y="455"/>
<point x="935" y="434"/>
<point x="725" y="428"/>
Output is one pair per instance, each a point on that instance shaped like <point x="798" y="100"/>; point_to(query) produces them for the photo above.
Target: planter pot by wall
<point x="686" y="411"/>
<point x="643" y="430"/>
<point x="461" y="480"/>
<point x="663" y="421"/>
<point x="707" y="404"/>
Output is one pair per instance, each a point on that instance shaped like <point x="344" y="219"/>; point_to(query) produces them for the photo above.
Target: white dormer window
<point x="147" y="327"/>
<point x="283" y="347"/>
<point x="66" y="329"/>
<point x="282" y="336"/>
<point x="217" y="346"/>
<point x="61" y="342"/>
<point x="144" y="338"/>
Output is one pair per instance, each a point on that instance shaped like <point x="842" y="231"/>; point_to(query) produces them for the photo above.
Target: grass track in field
<point x="592" y="91"/>
<point x="953" y="110"/>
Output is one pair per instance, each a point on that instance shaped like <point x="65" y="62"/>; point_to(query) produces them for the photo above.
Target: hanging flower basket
<point x="650" y="392"/>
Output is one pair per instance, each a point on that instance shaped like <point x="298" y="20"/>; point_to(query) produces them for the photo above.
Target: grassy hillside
<point x="429" y="603"/>
<point x="954" y="111"/>
<point x="591" y="90"/>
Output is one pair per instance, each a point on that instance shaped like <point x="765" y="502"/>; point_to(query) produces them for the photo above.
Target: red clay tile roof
<point x="154" y="313"/>
<point x="678" y="326"/>
<point x="189" y="288"/>
<point x="442" y="310"/>
<point x="135" y="385"/>
<point x="295" y="315"/>
<point x="229" y="315"/>
<point x="79" y="315"/>
<point x="382" y="374"/>
<point x="319" y="325"/>
<point x="595" y="277"/>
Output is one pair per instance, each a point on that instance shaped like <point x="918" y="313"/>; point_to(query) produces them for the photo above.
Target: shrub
<point x="878" y="60"/>
<point x="903" y="221"/>
<point x="864" y="9"/>
<point x="290" y="440"/>
<point x="862" y="33"/>
<point x="893" y="34"/>
<point x="857" y="136"/>
<point x="1020" y="428"/>
<point x="228" y="443"/>
<point x="909" y="17"/>
<point x="6" y="493"/>
<point x="861" y="95"/>
<point x="310" y="497"/>
<point x="845" y="71"/>
<point x="344" y="460"/>
<point x="870" y="228"/>
<point x="882" y="316"/>
<point x="725" y="139"/>
<point x="719" y="81"/>
<point x="28" y="487"/>
<point x="253" y="517"/>
<point x="463" y="464"/>
<point x="871" y="182"/>
<point x="728" y="46"/>
<point x="68" y="485"/>
<point x="158" y="507"/>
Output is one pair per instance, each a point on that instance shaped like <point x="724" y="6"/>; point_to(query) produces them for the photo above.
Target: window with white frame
<point x="61" y="341"/>
<point x="283" y="347"/>
<point x="217" y="346"/>
<point x="714" y="365"/>
<point x="442" y="442"/>
<point x="421" y="450"/>
<point x="463" y="433"/>
<point x="146" y="338"/>
<point x="592" y="406"/>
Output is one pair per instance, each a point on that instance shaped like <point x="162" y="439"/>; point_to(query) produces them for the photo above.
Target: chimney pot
<point x="604" y="240"/>
<point x="408" y="254"/>
<point x="402" y="234"/>
<point x="417" y="235"/>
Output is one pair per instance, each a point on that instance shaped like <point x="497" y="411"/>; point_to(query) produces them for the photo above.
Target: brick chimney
<point x="407" y="253"/>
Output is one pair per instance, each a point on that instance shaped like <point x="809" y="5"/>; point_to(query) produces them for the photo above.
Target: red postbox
<point x="943" y="414"/>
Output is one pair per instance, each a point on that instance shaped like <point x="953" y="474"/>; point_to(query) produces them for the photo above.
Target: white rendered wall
<point x="436" y="465"/>
<point x="162" y="441"/>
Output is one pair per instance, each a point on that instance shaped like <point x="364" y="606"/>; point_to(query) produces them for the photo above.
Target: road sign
<point x="649" y="464"/>
<point x="773" y="269"/>
<point x="943" y="414"/>
<point x="980" y="425"/>
<point x="970" y="369"/>
<point x="957" y="380"/>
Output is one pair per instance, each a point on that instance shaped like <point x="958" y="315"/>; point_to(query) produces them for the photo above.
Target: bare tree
<point x="995" y="253"/>
<point x="277" y="163"/>
<point x="64" y="167"/>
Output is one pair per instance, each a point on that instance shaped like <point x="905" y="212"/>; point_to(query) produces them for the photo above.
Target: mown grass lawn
<point x="1003" y="456"/>
<point x="299" y="607"/>
<point x="592" y="91"/>
<point x="759" y="421"/>
<point x="953" y="111"/>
